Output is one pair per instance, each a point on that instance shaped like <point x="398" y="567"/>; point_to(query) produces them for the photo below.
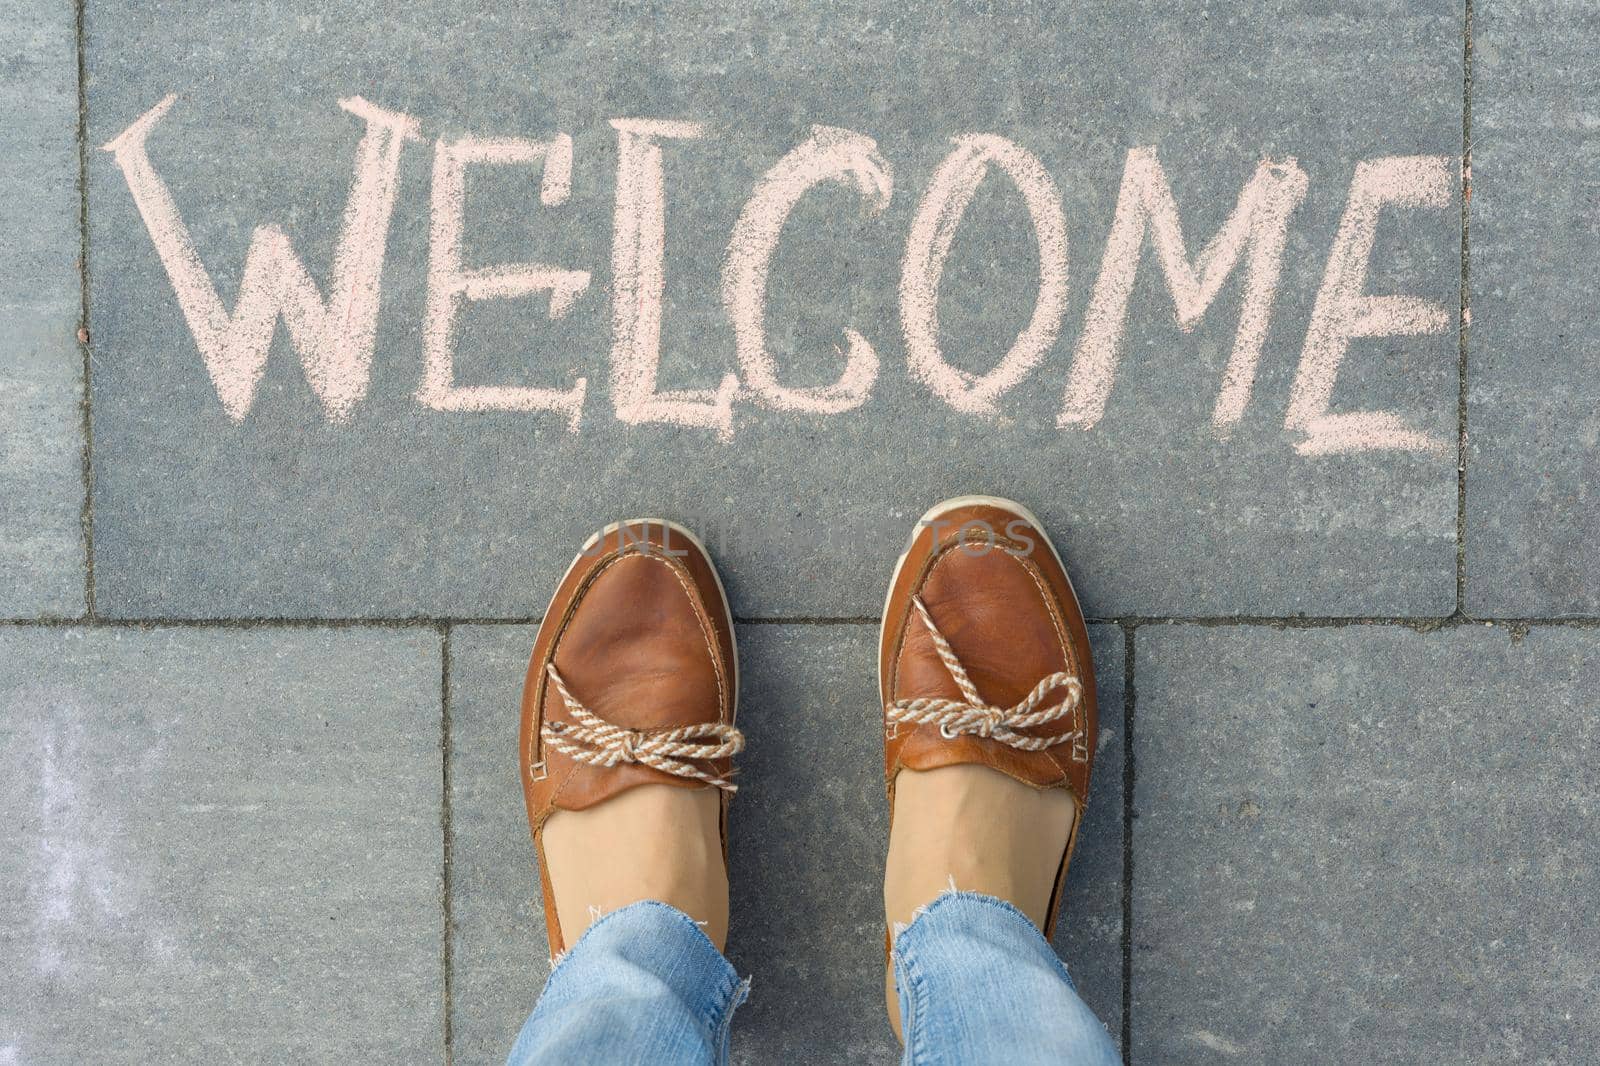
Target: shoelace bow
<point x="974" y="716"/>
<point x="591" y="739"/>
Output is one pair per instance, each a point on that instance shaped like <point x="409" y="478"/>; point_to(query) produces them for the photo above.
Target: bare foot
<point x="979" y="829"/>
<point x="654" y="842"/>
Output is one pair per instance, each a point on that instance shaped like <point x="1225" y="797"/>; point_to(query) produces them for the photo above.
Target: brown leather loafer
<point x="983" y="657"/>
<point x="633" y="681"/>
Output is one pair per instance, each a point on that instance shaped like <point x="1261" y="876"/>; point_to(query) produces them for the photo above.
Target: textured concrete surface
<point x="41" y="485"/>
<point x="807" y="849"/>
<point x="1400" y="873"/>
<point x="499" y="956"/>
<point x="1533" y="508"/>
<point x="219" y="846"/>
<point x="405" y="510"/>
<point x="1365" y="844"/>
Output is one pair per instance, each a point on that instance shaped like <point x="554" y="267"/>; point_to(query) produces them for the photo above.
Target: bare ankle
<point x="974" y="829"/>
<point x="650" y="843"/>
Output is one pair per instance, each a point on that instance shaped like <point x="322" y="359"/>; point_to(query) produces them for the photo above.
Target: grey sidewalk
<point x="260" y="646"/>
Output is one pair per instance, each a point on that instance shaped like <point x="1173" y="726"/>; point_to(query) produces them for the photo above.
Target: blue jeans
<point x="977" y="984"/>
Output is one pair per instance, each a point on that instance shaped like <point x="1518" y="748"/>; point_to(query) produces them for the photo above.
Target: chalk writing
<point x="334" y="337"/>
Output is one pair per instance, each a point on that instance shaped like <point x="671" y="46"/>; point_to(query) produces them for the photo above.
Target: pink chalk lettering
<point x="334" y="337"/>
<point x="1259" y="223"/>
<point x="451" y="282"/>
<point x="638" y="254"/>
<point x="1343" y="312"/>
<point x="829" y="154"/>
<point x="951" y="189"/>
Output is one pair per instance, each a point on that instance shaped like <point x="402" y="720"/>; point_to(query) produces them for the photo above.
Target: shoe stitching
<point x="996" y="543"/>
<point x="593" y="575"/>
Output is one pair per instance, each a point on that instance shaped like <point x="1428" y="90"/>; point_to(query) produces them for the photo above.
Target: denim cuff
<point x="955" y="908"/>
<point x="671" y="945"/>
<point x="978" y="982"/>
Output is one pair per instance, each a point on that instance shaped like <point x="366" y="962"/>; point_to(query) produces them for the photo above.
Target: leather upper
<point x="997" y="592"/>
<point x="639" y="632"/>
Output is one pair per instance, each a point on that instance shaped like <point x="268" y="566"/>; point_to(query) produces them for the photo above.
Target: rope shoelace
<point x="1057" y="696"/>
<point x="588" y="738"/>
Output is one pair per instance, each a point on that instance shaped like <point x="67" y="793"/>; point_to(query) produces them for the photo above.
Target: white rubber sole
<point x="666" y="523"/>
<point x="946" y="506"/>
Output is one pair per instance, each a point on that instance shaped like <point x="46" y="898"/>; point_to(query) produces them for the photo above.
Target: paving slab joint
<point x="1128" y="769"/>
<point x="446" y="831"/>
<point x="1419" y="623"/>
<point x="85" y="403"/>
<point x="1465" y="321"/>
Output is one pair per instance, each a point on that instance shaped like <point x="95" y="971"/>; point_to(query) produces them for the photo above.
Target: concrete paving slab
<point x="1365" y="845"/>
<point x="1533" y="498"/>
<point x="404" y="508"/>
<point x="499" y="955"/>
<point x="41" y="484"/>
<point x="220" y="845"/>
<point x="806" y="857"/>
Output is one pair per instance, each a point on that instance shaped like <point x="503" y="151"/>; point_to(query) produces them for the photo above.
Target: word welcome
<point x="334" y="334"/>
